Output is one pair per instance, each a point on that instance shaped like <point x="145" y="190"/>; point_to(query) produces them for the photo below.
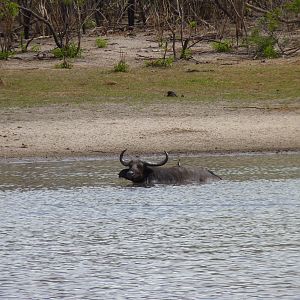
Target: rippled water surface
<point x="73" y="230"/>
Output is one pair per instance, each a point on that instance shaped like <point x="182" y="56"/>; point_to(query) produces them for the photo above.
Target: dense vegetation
<point x="179" y="24"/>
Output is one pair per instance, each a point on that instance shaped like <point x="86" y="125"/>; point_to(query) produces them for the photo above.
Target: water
<point x="73" y="230"/>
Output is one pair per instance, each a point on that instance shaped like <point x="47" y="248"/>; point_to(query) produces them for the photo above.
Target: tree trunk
<point x="98" y="15"/>
<point x="142" y="12"/>
<point x="131" y="11"/>
<point x="26" y="24"/>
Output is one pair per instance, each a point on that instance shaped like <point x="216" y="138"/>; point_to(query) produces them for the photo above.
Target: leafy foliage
<point x="264" y="44"/>
<point x="186" y="54"/>
<point x="8" y="9"/>
<point x="89" y="24"/>
<point x="121" y="66"/>
<point x="270" y="22"/>
<point x="35" y="48"/>
<point x="263" y="37"/>
<point x="161" y="62"/>
<point x="4" y="55"/>
<point x="70" y="51"/>
<point x="293" y="6"/>
<point x="101" y="43"/>
<point x="225" y="46"/>
<point x="64" y="65"/>
<point x="192" y="24"/>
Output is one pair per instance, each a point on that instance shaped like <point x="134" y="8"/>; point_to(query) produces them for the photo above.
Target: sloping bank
<point x="63" y="131"/>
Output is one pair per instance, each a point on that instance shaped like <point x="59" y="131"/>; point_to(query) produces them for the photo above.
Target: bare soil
<point x="135" y="47"/>
<point x="181" y="128"/>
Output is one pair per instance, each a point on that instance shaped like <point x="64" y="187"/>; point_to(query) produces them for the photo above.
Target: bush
<point x="186" y="54"/>
<point x="264" y="38"/>
<point x="294" y="6"/>
<point x="193" y="24"/>
<point x="264" y="44"/>
<point x="4" y="55"/>
<point x="122" y="66"/>
<point x="57" y="52"/>
<point x="70" y="51"/>
<point x="90" y="24"/>
<point x="161" y="62"/>
<point x="270" y="52"/>
<point x="35" y="48"/>
<point x="64" y="65"/>
<point x="224" y="46"/>
<point x="101" y="43"/>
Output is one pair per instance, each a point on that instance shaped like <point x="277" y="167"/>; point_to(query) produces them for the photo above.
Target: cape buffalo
<point x="146" y="173"/>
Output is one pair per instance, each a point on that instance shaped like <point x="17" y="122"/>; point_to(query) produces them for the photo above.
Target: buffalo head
<point x="138" y="170"/>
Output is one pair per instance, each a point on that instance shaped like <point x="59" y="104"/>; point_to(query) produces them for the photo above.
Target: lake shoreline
<point x="181" y="129"/>
<point x="172" y="156"/>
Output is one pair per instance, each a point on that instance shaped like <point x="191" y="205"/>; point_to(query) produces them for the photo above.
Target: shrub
<point x="70" y="51"/>
<point x="270" y="52"/>
<point x="101" y="43"/>
<point x="64" y="65"/>
<point x="193" y="24"/>
<point x="57" y="52"/>
<point x="224" y="46"/>
<point x="161" y="62"/>
<point x="4" y="55"/>
<point x="121" y="66"/>
<point x="264" y="44"/>
<point x="294" y="6"/>
<point x="186" y="54"/>
<point x="264" y="38"/>
<point x="35" y="48"/>
<point x="90" y="24"/>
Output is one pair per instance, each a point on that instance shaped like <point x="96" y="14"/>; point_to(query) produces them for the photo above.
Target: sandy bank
<point x="63" y="131"/>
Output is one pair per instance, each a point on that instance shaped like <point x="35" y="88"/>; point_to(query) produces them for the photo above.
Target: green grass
<point x="236" y="83"/>
<point x="101" y="43"/>
<point x="160" y="62"/>
<point x="70" y="51"/>
<point x="224" y="46"/>
<point x="121" y="66"/>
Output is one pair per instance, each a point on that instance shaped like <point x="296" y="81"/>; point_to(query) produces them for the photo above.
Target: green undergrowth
<point x="198" y="83"/>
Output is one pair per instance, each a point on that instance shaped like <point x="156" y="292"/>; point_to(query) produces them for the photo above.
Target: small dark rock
<point x="192" y="70"/>
<point x="171" y="94"/>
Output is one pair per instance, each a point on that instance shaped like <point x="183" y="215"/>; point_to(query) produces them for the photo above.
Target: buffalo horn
<point x="158" y="164"/>
<point x="123" y="162"/>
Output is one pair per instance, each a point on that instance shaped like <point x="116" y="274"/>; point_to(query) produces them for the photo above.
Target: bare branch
<point x="45" y="21"/>
<point x="264" y="11"/>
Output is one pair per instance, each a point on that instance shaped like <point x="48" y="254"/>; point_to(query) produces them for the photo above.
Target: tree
<point x="9" y="10"/>
<point x="63" y="19"/>
<point x="25" y="18"/>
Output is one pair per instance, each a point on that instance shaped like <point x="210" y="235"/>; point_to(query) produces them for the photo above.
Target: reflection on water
<point x="73" y="230"/>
